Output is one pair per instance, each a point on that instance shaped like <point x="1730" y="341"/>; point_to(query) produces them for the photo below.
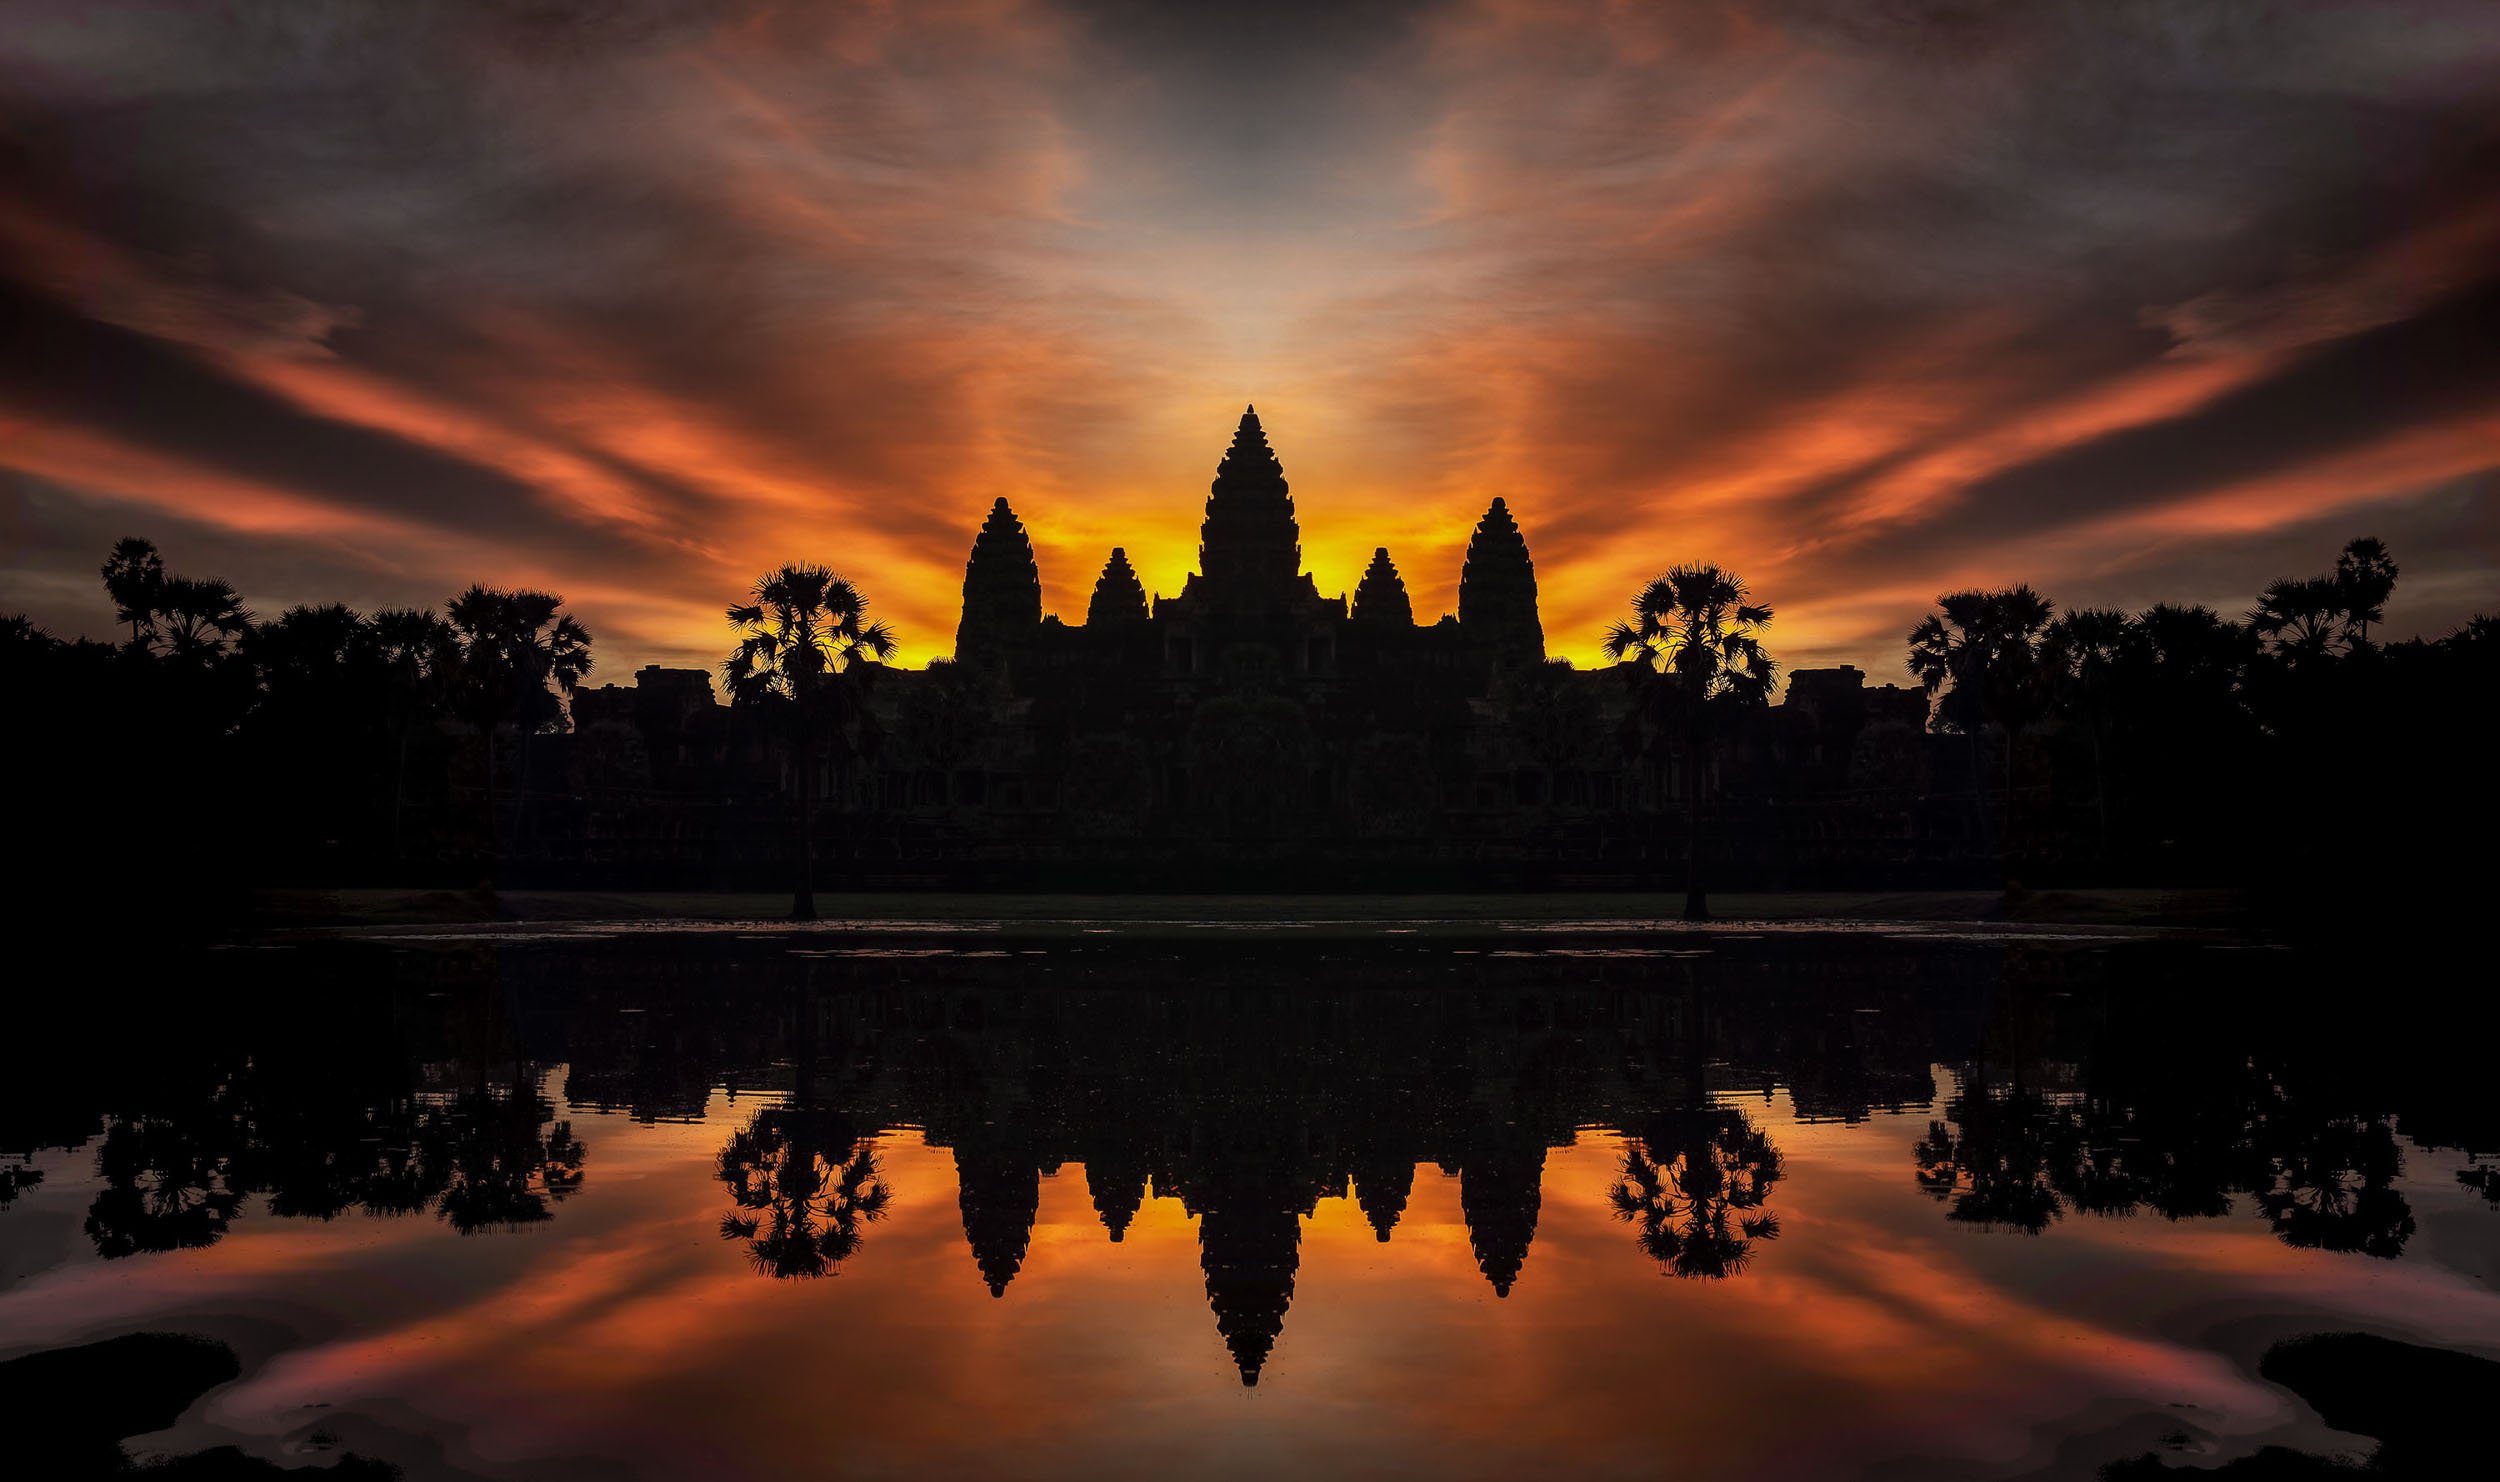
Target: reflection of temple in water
<point x="1182" y="1071"/>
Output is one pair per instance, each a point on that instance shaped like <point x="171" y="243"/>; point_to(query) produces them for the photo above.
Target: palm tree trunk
<point x="493" y="831"/>
<point x="399" y="798"/>
<point x="1696" y="904"/>
<point x="2100" y="793"/>
<point x="520" y="794"/>
<point x="803" y="898"/>
<point x="1979" y="791"/>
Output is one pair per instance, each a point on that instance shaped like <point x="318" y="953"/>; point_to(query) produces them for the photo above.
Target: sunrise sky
<point x="365" y="300"/>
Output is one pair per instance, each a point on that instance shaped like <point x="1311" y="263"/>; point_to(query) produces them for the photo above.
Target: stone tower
<point x="1381" y="596"/>
<point x="1497" y="589"/>
<point x="1250" y="548"/>
<point x="1249" y="1246"/>
<point x="1499" y="1193"/>
<point x="1118" y="596"/>
<point x="1002" y="590"/>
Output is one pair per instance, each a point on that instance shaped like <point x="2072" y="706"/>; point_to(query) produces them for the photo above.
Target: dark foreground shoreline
<point x="2116" y="908"/>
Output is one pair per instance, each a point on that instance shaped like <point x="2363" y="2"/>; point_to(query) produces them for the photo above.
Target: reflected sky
<point x="1788" y="1097"/>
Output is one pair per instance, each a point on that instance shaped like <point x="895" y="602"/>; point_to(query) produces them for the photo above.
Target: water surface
<point x="1329" y="1202"/>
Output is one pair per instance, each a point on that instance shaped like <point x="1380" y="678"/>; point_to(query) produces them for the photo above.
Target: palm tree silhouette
<point x="134" y="577"/>
<point x="499" y="1169"/>
<point x="1981" y="651"/>
<point x="2303" y="617"/>
<point x="2083" y="655"/>
<point x="1695" y="644"/>
<point x="804" y="1182"/>
<point x="197" y="620"/>
<point x="418" y="655"/>
<point x="2331" y="1176"/>
<point x="803" y="650"/>
<point x="2001" y="1159"/>
<point x="169" y="1183"/>
<point x="513" y="646"/>
<point x="2366" y="573"/>
<point x="1697" y="1188"/>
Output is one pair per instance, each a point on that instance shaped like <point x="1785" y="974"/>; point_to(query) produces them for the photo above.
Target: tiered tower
<point x="1497" y="589"/>
<point x="1118" y="595"/>
<point x="1250" y="548"/>
<point x="1499" y="1193"/>
<point x="998" y="1191"/>
<point x="1249" y="1246"/>
<point x="1381" y="596"/>
<point x="1382" y="1186"/>
<point x="1002" y="590"/>
<point x="1117" y="1182"/>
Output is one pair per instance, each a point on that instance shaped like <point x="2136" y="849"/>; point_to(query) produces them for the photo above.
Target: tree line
<point x="2288" y="746"/>
<point x="207" y="745"/>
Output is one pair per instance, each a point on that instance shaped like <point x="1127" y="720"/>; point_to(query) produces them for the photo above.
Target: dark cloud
<point x="2432" y="369"/>
<point x="73" y="371"/>
<point x="1859" y="294"/>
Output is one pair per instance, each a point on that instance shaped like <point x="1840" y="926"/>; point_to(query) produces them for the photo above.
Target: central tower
<point x="1250" y="548"/>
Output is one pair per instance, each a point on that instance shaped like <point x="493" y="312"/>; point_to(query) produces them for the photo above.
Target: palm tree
<point x="804" y="1182"/>
<point x="1698" y="1187"/>
<point x="2366" y="574"/>
<point x="1981" y="651"/>
<point x="2083" y="654"/>
<point x="134" y="577"/>
<point x="198" y="619"/>
<point x="804" y="647"/>
<point x="2303" y="617"/>
<point x="512" y="647"/>
<point x="1695" y="647"/>
<point x="1995" y="1158"/>
<point x="418" y="655"/>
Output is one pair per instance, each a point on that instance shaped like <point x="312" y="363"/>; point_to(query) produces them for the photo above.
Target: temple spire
<point x="998" y="1192"/>
<point x="1381" y="596"/>
<point x="1497" y="589"/>
<point x="1499" y="1192"/>
<point x="1249" y="1246"/>
<point x="1250" y="548"/>
<point x="1381" y="1191"/>
<point x="1002" y="590"/>
<point x="1118" y="595"/>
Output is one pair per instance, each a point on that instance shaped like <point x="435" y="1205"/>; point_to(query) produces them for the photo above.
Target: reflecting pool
<point x="1091" y="1201"/>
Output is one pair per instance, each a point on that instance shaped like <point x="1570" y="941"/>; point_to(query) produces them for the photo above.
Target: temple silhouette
<point x="1250" y="620"/>
<point x="1248" y="707"/>
<point x="1249" y="731"/>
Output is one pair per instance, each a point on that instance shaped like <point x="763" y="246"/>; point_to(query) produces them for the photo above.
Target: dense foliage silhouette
<point x="2040" y="747"/>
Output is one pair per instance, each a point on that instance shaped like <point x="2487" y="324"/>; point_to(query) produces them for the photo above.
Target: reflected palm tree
<point x="1698" y="1189"/>
<point x="2333" y="1185"/>
<point x="2481" y="1177"/>
<point x="168" y="1186"/>
<point x="504" y="1162"/>
<point x="804" y="1182"/>
<point x="1995" y="1159"/>
<point x="16" y="1178"/>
